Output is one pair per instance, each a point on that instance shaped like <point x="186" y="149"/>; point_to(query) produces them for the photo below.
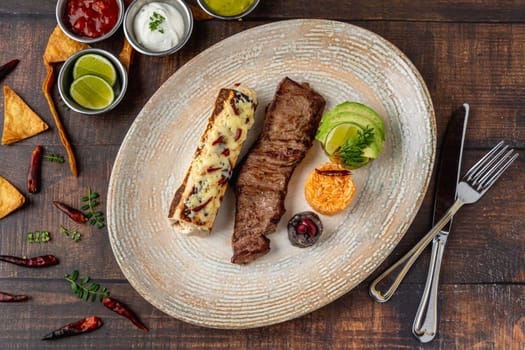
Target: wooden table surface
<point x="466" y="51"/>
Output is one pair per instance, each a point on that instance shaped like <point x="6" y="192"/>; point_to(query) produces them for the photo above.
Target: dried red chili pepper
<point x="7" y="68"/>
<point x="121" y="309"/>
<point x="84" y="325"/>
<point x="342" y="172"/>
<point x="74" y="214"/>
<point x="33" y="174"/>
<point x="38" y="261"/>
<point x="11" y="298"/>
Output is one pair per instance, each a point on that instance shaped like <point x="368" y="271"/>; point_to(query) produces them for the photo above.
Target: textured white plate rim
<point x="379" y="255"/>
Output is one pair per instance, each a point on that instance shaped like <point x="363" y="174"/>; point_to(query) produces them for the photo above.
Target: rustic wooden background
<point x="467" y="51"/>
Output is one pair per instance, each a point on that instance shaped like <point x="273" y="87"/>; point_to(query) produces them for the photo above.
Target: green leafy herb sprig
<point x="38" y="237"/>
<point x="351" y="152"/>
<point x="85" y="290"/>
<point x="56" y="158"/>
<point x="73" y="234"/>
<point x="95" y="217"/>
<point x="155" y="20"/>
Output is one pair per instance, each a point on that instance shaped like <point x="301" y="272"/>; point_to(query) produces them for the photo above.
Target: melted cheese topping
<point x="212" y="169"/>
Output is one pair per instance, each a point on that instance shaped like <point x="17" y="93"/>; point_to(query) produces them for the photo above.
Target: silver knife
<point x="425" y="322"/>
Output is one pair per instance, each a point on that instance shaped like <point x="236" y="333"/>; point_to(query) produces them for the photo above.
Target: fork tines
<point x="489" y="168"/>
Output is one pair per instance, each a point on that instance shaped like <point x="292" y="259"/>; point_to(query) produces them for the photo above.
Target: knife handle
<point x="406" y="262"/>
<point x="425" y="322"/>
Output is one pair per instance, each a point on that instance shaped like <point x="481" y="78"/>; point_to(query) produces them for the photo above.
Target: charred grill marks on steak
<point x="288" y="131"/>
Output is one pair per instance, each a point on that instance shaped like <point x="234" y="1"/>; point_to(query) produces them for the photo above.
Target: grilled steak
<point x="289" y="128"/>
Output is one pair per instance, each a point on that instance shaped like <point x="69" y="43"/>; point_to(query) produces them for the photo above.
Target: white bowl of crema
<point x="158" y="27"/>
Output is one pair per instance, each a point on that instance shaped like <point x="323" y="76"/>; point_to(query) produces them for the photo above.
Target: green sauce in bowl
<point x="228" y="8"/>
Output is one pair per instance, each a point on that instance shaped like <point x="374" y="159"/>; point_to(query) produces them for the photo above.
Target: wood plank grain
<point x="467" y="51"/>
<point x="476" y="63"/>
<point x="352" y="322"/>
<point x="400" y="10"/>
<point x="485" y="246"/>
<point x="110" y="129"/>
<point x="485" y="243"/>
<point x="92" y="253"/>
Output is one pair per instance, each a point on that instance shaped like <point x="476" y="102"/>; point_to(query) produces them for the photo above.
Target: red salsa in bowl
<point x="91" y="18"/>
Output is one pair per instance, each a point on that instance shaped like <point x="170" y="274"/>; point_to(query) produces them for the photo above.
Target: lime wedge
<point x="338" y="136"/>
<point x="94" y="64"/>
<point x="91" y="91"/>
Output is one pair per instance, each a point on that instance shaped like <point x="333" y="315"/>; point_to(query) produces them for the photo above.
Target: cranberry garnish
<point x="311" y="229"/>
<point x="301" y="228"/>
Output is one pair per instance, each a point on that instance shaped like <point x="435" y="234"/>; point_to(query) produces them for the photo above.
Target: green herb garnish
<point x="73" y="234"/>
<point x="95" y="217"/>
<point x="57" y="158"/>
<point x="155" y="21"/>
<point x="351" y="152"/>
<point x="83" y="290"/>
<point x="38" y="237"/>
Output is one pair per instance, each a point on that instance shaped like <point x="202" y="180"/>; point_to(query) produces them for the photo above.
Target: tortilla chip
<point x="46" y="89"/>
<point x="10" y="198"/>
<point x="60" y="47"/>
<point x="20" y="121"/>
<point x="126" y="54"/>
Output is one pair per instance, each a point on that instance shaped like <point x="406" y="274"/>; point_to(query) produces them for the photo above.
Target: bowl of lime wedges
<point x="92" y="81"/>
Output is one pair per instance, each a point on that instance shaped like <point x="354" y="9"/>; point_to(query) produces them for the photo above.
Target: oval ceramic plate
<point x="191" y="278"/>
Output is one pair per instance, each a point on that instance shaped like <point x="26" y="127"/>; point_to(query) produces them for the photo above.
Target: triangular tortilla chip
<point x="60" y="47"/>
<point x="10" y="198"/>
<point x="20" y="121"/>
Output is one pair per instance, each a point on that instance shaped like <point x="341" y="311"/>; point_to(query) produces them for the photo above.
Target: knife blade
<point x="8" y="68"/>
<point x="425" y="322"/>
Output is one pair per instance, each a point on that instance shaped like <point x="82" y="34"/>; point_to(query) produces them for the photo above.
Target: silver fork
<point x="470" y="189"/>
